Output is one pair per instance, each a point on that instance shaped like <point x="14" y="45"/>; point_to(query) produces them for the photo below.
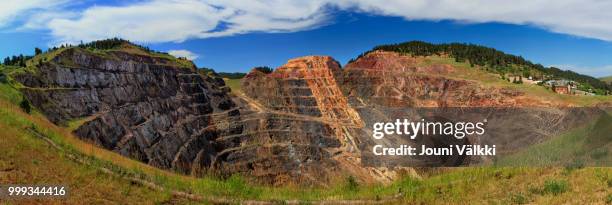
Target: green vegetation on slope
<point x="234" y="75"/>
<point x="7" y="89"/>
<point x="463" y="70"/>
<point x="113" y="43"/>
<point x="500" y="62"/>
<point x="607" y="79"/>
<point x="264" y="69"/>
<point x="100" y="48"/>
<point x="233" y="84"/>
<point x="27" y="159"/>
<point x="211" y="72"/>
<point x="590" y="145"/>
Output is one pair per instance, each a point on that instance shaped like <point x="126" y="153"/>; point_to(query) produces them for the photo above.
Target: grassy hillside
<point x="590" y="145"/>
<point x="27" y="159"/>
<point x="233" y="84"/>
<point x="606" y="79"/>
<point x="102" y="48"/>
<point x="479" y="74"/>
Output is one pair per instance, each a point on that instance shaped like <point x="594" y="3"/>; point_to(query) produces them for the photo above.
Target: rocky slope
<point x="305" y="90"/>
<point x="144" y="107"/>
<point x="383" y="86"/>
<point x="394" y="80"/>
<point x="164" y="114"/>
<point x="307" y="122"/>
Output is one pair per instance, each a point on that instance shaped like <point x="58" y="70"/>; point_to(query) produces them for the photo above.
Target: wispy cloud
<point x="12" y="10"/>
<point x="176" y="21"/>
<point x="179" y="20"/>
<point x="183" y="53"/>
<point x="586" y="18"/>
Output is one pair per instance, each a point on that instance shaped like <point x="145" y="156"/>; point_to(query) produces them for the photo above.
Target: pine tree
<point x="37" y="51"/>
<point x="25" y="105"/>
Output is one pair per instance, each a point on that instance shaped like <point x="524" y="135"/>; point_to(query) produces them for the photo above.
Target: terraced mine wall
<point x="308" y="122"/>
<point x="305" y="89"/>
<point x="163" y="114"/>
<point x="394" y="80"/>
<point x="385" y="86"/>
<point x="142" y="107"/>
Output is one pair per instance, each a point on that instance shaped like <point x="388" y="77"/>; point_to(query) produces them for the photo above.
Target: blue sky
<point x="238" y="35"/>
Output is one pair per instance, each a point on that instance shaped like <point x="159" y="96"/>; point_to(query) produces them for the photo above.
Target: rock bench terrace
<point x="303" y="123"/>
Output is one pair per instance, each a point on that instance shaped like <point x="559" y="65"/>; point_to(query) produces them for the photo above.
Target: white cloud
<point x="270" y="16"/>
<point x="595" y="71"/>
<point x="40" y="20"/>
<point x="178" y="20"/>
<point x="154" y="21"/>
<point x="183" y="53"/>
<point x="11" y="10"/>
<point x="587" y="18"/>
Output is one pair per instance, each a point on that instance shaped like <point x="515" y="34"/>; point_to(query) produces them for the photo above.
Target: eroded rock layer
<point x="147" y="108"/>
<point x="385" y="86"/>
<point x="305" y="89"/>
<point x="164" y="114"/>
<point x="303" y="86"/>
<point x="306" y="122"/>
<point x="394" y="80"/>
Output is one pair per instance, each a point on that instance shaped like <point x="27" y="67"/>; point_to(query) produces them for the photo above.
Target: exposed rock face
<point x="303" y="86"/>
<point x="305" y="90"/>
<point x="306" y="122"/>
<point x="143" y="107"/>
<point x="394" y="80"/>
<point x="383" y="86"/>
<point x="170" y="117"/>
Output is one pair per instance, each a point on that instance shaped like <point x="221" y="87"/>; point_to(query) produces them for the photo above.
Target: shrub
<point x="599" y="153"/>
<point x="519" y="198"/>
<point x="264" y="69"/>
<point x="25" y="106"/>
<point x="575" y="164"/>
<point x="235" y="75"/>
<point x="352" y="184"/>
<point x="555" y="187"/>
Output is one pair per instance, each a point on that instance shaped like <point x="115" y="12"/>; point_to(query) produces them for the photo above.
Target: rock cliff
<point x="306" y="122"/>
<point x="152" y="109"/>
<point x="305" y="90"/>
<point x="145" y="107"/>
<point x="394" y="80"/>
